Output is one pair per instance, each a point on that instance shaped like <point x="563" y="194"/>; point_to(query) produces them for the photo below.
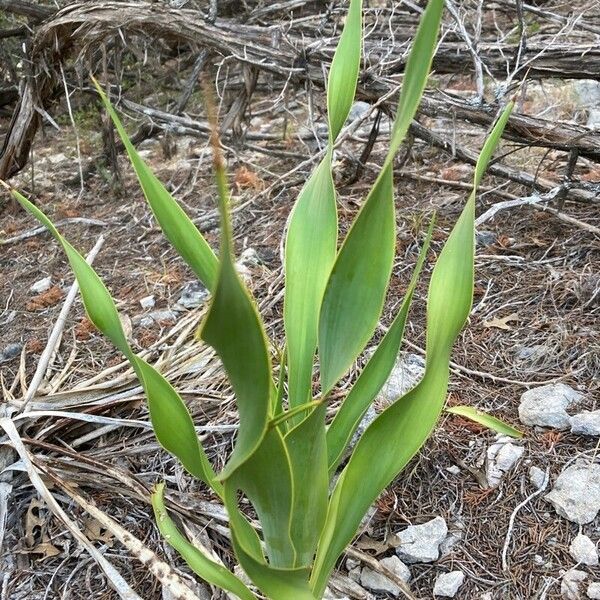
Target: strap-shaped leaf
<point x="206" y="568"/>
<point x="307" y="448"/>
<point x="397" y="434"/>
<point x="266" y="479"/>
<point x="357" y="286"/>
<point x="309" y="255"/>
<point x="234" y="329"/>
<point x="170" y="417"/>
<point x="280" y="583"/>
<point x="311" y="240"/>
<point x="176" y="225"/>
<point x="374" y="375"/>
<point x="345" y="66"/>
<point x="486" y="420"/>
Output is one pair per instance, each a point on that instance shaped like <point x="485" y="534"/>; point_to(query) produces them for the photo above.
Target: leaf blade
<point x="486" y="420"/>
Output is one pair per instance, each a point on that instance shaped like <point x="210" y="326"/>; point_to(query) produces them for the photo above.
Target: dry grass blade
<point x="116" y="580"/>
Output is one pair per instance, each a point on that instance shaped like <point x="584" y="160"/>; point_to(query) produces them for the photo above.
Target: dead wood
<point x="36" y="12"/>
<point x="298" y="59"/>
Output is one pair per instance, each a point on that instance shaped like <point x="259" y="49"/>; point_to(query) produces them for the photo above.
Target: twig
<point x="513" y="516"/>
<point x="115" y="578"/>
<point x="37" y="230"/>
<point x="57" y="330"/>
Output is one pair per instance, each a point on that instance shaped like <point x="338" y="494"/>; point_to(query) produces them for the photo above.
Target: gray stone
<point x="56" y="159"/>
<point x="593" y="121"/>
<point x="501" y="457"/>
<point x="447" y="584"/>
<point x="147" y="302"/>
<point x="421" y="543"/>
<point x="587" y="92"/>
<point x="547" y="405"/>
<point x="249" y="258"/>
<point x="11" y="351"/>
<point x="583" y="550"/>
<point x="359" y="109"/>
<point x="407" y="372"/>
<point x="532" y="354"/>
<point x="586" y="423"/>
<point x="41" y="285"/>
<point x="576" y="493"/>
<point x="537" y="477"/>
<point x="193" y="295"/>
<point x="155" y="317"/>
<point x="377" y="582"/>
<point x="571" y="583"/>
<point x="485" y="238"/>
<point x="593" y="591"/>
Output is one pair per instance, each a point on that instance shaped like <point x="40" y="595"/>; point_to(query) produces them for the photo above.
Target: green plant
<point x="286" y="458"/>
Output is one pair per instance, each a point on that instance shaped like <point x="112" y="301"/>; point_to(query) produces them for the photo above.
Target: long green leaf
<point x="309" y="255"/>
<point x="234" y="329"/>
<point x="266" y="479"/>
<point x="280" y="583"/>
<point x="176" y="225"/>
<point x="311" y="240"/>
<point x="356" y="289"/>
<point x="345" y="66"/>
<point x="486" y="420"/>
<point x="374" y="375"/>
<point x="397" y="434"/>
<point x="209" y="570"/>
<point x="307" y="448"/>
<point x="171" y="420"/>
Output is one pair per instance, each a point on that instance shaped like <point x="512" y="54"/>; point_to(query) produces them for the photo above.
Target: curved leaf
<point x="234" y="329"/>
<point x="176" y="225"/>
<point x="374" y="375"/>
<point x="398" y="433"/>
<point x="486" y="420"/>
<point x="356" y="289"/>
<point x="343" y="75"/>
<point x="209" y="570"/>
<point x="170" y="417"/>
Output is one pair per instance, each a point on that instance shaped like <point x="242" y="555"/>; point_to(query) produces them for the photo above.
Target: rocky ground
<point x="476" y="515"/>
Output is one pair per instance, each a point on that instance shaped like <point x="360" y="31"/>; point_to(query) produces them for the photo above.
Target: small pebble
<point x="42" y="285"/>
<point x="147" y="302"/>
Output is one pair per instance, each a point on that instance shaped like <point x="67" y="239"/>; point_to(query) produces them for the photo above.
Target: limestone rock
<point x="447" y="584"/>
<point x="421" y="543"/>
<point x="586" y="423"/>
<point x="42" y="285"/>
<point x="583" y="550"/>
<point x="547" y="405"/>
<point x="576" y="492"/>
<point x="593" y="591"/>
<point x="376" y="582"/>
<point x="501" y="457"/>
<point x="570" y="587"/>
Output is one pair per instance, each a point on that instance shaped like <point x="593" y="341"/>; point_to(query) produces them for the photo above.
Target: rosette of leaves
<point x="286" y="457"/>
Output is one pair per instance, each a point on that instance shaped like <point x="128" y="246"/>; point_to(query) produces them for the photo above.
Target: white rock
<point x="593" y="121"/>
<point x="421" y="543"/>
<point x="147" y="302"/>
<point x="586" y="423"/>
<point x="193" y="295"/>
<point x="593" y="591"/>
<point x="486" y="596"/>
<point x="571" y="582"/>
<point x="576" y="493"/>
<point x="377" y="582"/>
<point x="453" y="469"/>
<point x="155" y="317"/>
<point x="583" y="550"/>
<point x="41" y="285"/>
<point x="407" y="372"/>
<point x="58" y="158"/>
<point x="447" y="584"/>
<point x="501" y="457"/>
<point x="249" y="258"/>
<point x="547" y="405"/>
<point x="537" y="477"/>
